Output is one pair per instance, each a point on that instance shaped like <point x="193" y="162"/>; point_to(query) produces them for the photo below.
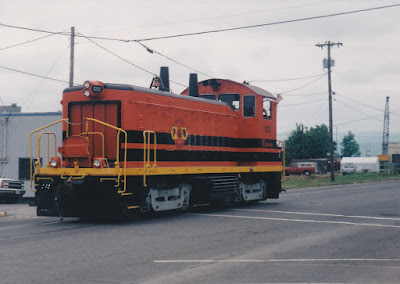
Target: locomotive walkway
<point x="347" y="233"/>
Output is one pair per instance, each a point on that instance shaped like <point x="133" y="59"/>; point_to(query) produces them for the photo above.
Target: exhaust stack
<point x="164" y="77"/>
<point x="193" y="87"/>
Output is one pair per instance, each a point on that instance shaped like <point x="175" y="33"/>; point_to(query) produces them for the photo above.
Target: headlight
<point x="97" y="163"/>
<point x="55" y="162"/>
<point x="86" y="85"/>
<point x="86" y="93"/>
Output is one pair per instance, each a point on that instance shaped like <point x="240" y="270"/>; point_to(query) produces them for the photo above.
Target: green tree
<point x="293" y="144"/>
<point x="314" y="139"/>
<point x="317" y="141"/>
<point x="350" y="147"/>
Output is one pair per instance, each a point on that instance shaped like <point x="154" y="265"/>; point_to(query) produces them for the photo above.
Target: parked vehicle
<point x="348" y="168"/>
<point x="11" y="190"/>
<point x="300" y="169"/>
<point x="359" y="165"/>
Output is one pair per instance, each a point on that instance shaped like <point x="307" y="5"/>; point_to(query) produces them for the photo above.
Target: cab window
<point x="233" y="100"/>
<point x="266" y="109"/>
<point x="249" y="106"/>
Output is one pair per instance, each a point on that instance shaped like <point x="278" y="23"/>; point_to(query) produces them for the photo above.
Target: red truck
<point x="300" y="169"/>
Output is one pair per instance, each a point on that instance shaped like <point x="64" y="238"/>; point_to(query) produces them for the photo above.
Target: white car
<point x="11" y="190"/>
<point x="348" y="168"/>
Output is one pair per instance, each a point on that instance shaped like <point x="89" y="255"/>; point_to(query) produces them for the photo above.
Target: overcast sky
<point x="367" y="67"/>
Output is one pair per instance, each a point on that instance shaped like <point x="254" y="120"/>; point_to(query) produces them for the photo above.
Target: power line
<point x="357" y="110"/>
<point x="210" y="31"/>
<point x="305" y="85"/>
<point x="30" y="97"/>
<point x="303" y="103"/>
<point x="359" y="102"/>
<point x="32" y="74"/>
<point x="151" y="50"/>
<point x="258" y="11"/>
<point x="307" y="95"/>
<point x="348" y="122"/>
<point x="268" y="24"/>
<point x="283" y="80"/>
<point x="25" y="42"/>
<point x="125" y="60"/>
<point x="116" y="55"/>
<point x="357" y="120"/>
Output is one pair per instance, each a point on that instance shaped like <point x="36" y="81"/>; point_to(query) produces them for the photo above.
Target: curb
<point x="3" y="213"/>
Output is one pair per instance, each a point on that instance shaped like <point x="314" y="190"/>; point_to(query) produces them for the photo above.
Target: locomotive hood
<point x="218" y="85"/>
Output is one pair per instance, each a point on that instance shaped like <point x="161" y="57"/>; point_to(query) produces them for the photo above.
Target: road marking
<point x="317" y="214"/>
<point x="276" y="260"/>
<point x="32" y="225"/>
<point x="328" y="190"/>
<point x="297" y="220"/>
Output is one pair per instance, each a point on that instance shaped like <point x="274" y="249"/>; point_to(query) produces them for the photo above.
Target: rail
<point x="282" y="146"/>
<point x="146" y="153"/>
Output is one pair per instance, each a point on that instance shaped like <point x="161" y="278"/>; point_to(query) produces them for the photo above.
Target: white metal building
<point x="362" y="164"/>
<point x="15" y="130"/>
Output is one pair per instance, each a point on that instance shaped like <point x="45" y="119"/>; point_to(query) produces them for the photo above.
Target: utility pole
<point x="385" y="139"/>
<point x="329" y="64"/>
<point x="302" y="142"/>
<point x="71" y="59"/>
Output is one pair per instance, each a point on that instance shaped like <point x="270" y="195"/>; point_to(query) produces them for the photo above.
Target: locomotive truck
<point x="133" y="149"/>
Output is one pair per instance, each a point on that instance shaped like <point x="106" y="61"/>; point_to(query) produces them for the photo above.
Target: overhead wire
<point x="235" y="15"/>
<point x="151" y="50"/>
<point x="359" y="102"/>
<point x="30" y="97"/>
<point x="126" y="60"/>
<point x="28" y="41"/>
<point x="310" y="102"/>
<point x="348" y="122"/>
<point x="284" y="80"/>
<point x="307" y="95"/>
<point x="357" y="110"/>
<point x="116" y="55"/>
<point x="302" y="86"/>
<point x="32" y="74"/>
<point x="269" y="24"/>
<point x="357" y="120"/>
<point x="212" y="31"/>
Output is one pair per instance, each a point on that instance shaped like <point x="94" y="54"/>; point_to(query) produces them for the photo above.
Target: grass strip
<point x="299" y="181"/>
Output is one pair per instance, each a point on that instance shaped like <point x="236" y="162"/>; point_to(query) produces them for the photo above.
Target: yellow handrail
<point x="98" y="133"/>
<point x="283" y="159"/>
<point x="37" y="167"/>
<point x="146" y="153"/>
<point x="118" y="146"/>
<point x="48" y="145"/>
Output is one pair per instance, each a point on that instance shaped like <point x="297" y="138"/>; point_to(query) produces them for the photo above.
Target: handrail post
<point x="36" y="131"/>
<point x="283" y="159"/>
<point x="155" y="152"/>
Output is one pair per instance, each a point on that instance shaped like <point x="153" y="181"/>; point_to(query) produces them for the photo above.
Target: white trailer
<point x="359" y="165"/>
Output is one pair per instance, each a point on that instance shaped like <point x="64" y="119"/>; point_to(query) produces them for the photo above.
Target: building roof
<point x="360" y="160"/>
<point x="31" y="114"/>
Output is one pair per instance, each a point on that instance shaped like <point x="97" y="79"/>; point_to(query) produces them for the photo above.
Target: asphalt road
<point x="340" y="234"/>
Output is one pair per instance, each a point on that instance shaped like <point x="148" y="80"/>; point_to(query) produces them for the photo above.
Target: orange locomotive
<point x="127" y="148"/>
